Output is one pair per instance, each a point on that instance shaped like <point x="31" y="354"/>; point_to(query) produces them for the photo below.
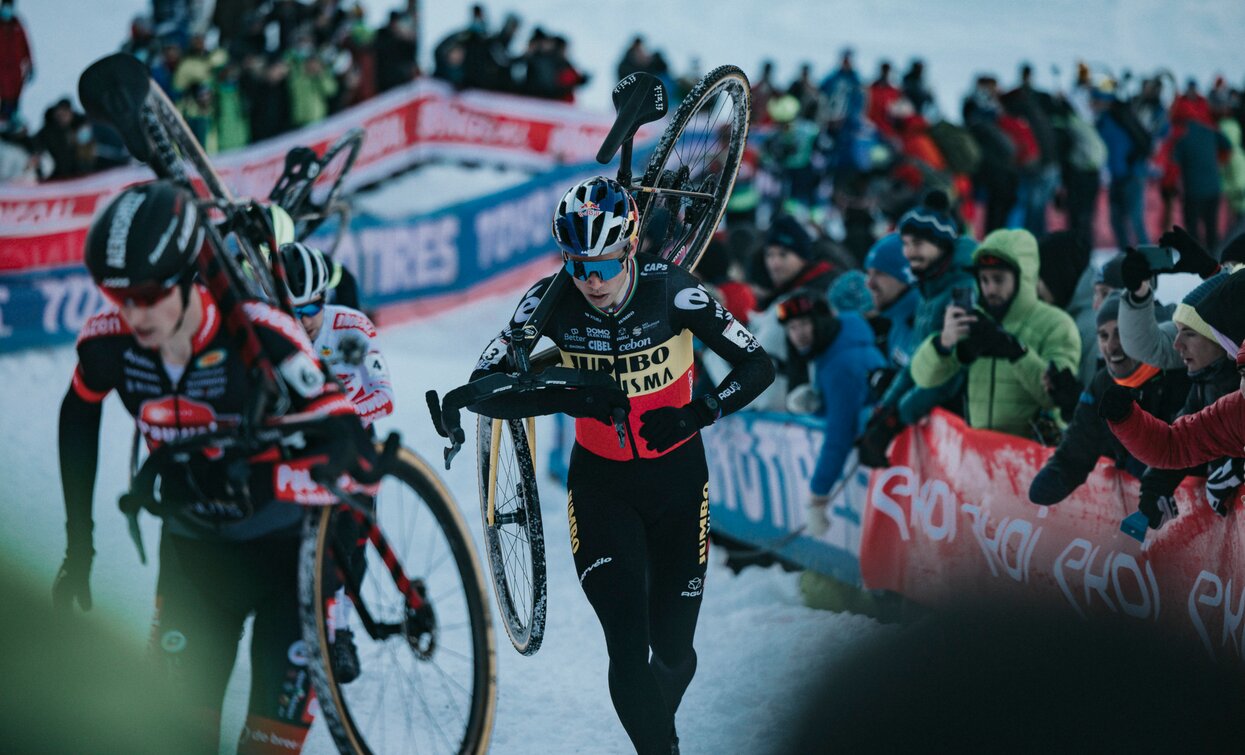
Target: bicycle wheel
<point x="514" y="539"/>
<point x="698" y="154"/>
<point x="427" y="681"/>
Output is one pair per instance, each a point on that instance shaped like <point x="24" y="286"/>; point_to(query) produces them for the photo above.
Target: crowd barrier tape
<point x="44" y="225"/>
<point x="406" y="267"/>
<point x="760" y="465"/>
<point x="952" y="522"/>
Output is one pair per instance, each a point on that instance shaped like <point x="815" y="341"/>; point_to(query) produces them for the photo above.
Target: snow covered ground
<point x="755" y="637"/>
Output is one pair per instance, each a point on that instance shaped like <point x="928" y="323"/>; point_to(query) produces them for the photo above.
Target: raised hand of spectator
<point x="1193" y="257"/>
<point x="816" y="516"/>
<point x="1064" y="389"/>
<point x="955" y="327"/>
<point x="1135" y="270"/>
<point x="1159" y="509"/>
<point x="1116" y="403"/>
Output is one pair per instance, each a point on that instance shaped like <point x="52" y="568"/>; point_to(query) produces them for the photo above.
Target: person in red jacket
<point x="16" y="62"/>
<point x="1214" y="432"/>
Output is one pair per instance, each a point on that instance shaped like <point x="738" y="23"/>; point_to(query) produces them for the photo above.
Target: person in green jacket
<point x="311" y="84"/>
<point x="1006" y="343"/>
<point x="938" y="257"/>
<point x="233" y="125"/>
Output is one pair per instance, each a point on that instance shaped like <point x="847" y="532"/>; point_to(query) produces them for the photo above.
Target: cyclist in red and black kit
<point x="640" y="512"/>
<point x="231" y="550"/>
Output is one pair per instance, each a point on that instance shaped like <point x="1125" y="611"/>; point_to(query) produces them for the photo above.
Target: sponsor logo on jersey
<point x="599" y="562"/>
<point x="729" y="390"/>
<point x="302" y="374"/>
<point x="140" y="361"/>
<point x="737" y="334"/>
<point x="325" y="352"/>
<point x="297" y="653"/>
<point x="598" y="333"/>
<point x="692" y="298"/>
<point x="355" y="320"/>
<point x="634" y="344"/>
<point x="599" y="345"/>
<point x="573" y="336"/>
<point x="695" y="586"/>
<point x="570" y="517"/>
<point x="292" y="483"/>
<point x="172" y="417"/>
<point x="103" y="324"/>
<point x="526" y="309"/>
<point x="637" y="331"/>
<point x="655" y="267"/>
<point x="704" y="525"/>
<point x="644" y="370"/>
<point x="211" y="359"/>
<point x="263" y="314"/>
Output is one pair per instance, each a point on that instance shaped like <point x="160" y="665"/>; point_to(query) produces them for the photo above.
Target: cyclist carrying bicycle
<point x="345" y="340"/>
<point x="639" y="513"/>
<point x="231" y="549"/>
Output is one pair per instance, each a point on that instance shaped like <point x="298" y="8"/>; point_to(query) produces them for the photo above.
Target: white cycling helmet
<point x="306" y="272"/>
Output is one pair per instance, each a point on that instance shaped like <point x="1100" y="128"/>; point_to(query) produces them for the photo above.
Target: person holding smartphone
<point x="1004" y="344"/>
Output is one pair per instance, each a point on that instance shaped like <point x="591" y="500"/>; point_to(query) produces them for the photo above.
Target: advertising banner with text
<point x="952" y="522"/>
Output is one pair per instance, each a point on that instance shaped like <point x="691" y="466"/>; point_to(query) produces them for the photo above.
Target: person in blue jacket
<point x="842" y="354"/>
<point x="895" y="298"/>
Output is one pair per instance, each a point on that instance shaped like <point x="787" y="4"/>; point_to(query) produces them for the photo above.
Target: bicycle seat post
<point x="624" y="163"/>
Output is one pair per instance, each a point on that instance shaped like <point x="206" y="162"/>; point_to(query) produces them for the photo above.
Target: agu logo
<point x="589" y="209"/>
<point x="211" y="359"/>
<point x="694" y="588"/>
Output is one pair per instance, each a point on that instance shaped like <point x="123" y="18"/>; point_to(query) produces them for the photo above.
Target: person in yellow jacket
<point x="1007" y="341"/>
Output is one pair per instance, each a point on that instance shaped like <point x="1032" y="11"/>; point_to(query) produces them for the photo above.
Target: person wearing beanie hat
<point x="1007" y="344"/>
<point x="1088" y="437"/>
<point x="841" y="351"/>
<point x="937" y="274"/>
<point x="1156" y="343"/>
<point x="850" y="293"/>
<point x="929" y="232"/>
<point x="895" y="296"/>
<point x="789" y="265"/>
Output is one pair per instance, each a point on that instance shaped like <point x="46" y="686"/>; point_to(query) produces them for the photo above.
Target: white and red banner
<point x="953" y="522"/>
<point x="45" y="225"/>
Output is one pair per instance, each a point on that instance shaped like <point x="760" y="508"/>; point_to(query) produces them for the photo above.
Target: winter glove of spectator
<point x="1049" y="487"/>
<point x="992" y="340"/>
<point x="881" y="429"/>
<point x="1135" y="269"/>
<point x="353" y="348"/>
<point x="804" y="399"/>
<point x="1065" y="391"/>
<point x="1193" y="257"/>
<point x="1116" y="403"/>
<point x="73" y="581"/>
<point x="1222" y="483"/>
<point x="1159" y="509"/>
<point x="816" y="518"/>
<point x="663" y="427"/>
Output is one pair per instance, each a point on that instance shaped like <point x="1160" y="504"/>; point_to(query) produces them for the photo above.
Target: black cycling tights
<point x="639" y="535"/>
<point x="204" y="594"/>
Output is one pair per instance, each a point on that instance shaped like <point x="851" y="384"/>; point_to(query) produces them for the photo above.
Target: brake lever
<point x="454" y="432"/>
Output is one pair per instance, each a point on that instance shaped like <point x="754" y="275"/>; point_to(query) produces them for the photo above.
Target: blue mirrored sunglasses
<point x="308" y="310"/>
<point x="583" y="268"/>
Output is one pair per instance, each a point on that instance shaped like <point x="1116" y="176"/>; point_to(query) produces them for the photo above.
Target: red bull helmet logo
<point x="589" y="209"/>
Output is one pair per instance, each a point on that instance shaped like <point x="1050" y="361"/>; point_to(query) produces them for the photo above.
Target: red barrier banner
<point x="952" y="522"/>
<point x="45" y="225"/>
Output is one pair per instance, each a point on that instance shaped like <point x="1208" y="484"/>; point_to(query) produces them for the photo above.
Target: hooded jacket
<point x="1004" y="395"/>
<point x="911" y="400"/>
<point x="842" y="376"/>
